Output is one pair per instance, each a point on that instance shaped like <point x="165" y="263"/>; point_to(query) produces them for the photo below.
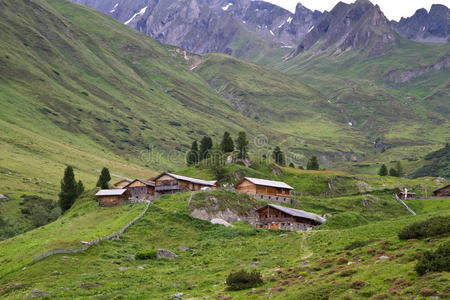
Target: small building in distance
<point x="112" y="197"/>
<point x="406" y="194"/>
<point x="273" y="216"/>
<point x="168" y="183"/>
<point x="269" y="190"/>
<point x="442" y="192"/>
<point x="141" y="189"/>
<point x="122" y="184"/>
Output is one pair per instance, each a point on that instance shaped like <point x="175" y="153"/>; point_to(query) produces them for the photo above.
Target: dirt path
<point x="307" y="253"/>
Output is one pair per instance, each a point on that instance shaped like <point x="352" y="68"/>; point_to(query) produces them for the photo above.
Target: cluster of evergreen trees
<point x="71" y="189"/>
<point x="394" y="172"/>
<point x="227" y="145"/>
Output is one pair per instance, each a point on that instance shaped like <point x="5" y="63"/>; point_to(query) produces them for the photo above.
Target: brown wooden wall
<point x="249" y="188"/>
<point x="246" y="187"/>
<point x="122" y="184"/>
<point x="111" y="200"/>
<point x="442" y="192"/>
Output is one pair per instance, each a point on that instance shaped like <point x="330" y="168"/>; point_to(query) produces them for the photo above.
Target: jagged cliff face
<point x="423" y="26"/>
<point x="203" y="26"/>
<point x="357" y="26"/>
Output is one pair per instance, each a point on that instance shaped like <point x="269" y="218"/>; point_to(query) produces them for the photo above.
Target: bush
<point x="242" y="280"/>
<point x="431" y="227"/>
<point x="436" y="261"/>
<point x="358" y="244"/>
<point x="146" y="254"/>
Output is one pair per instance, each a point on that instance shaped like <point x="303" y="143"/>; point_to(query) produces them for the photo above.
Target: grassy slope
<point x="215" y="251"/>
<point x="406" y="116"/>
<point x="86" y="221"/>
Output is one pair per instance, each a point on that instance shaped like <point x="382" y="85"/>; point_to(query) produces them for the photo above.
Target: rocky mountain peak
<point x="424" y="26"/>
<point x="357" y="26"/>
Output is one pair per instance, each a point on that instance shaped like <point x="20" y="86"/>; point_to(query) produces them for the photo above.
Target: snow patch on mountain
<point x="140" y="13"/>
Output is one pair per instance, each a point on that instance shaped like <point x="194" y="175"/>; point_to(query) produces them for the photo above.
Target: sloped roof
<point x="190" y="179"/>
<point x="271" y="183"/>
<point x="297" y="213"/>
<point x="444" y="187"/>
<point x="142" y="181"/>
<point x="128" y="180"/>
<point x="113" y="192"/>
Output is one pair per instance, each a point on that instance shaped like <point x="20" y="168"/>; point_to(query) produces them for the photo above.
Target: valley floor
<point x="294" y="265"/>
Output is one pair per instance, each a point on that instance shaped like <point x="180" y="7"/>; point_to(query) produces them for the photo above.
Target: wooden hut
<point x="442" y="192"/>
<point x="141" y="189"/>
<point x="122" y="184"/>
<point x="269" y="190"/>
<point x="279" y="217"/>
<point x="112" y="197"/>
<point x="167" y="183"/>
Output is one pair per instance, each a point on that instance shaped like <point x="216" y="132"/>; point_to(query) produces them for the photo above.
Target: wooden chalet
<point x="279" y="217"/>
<point x="122" y="184"/>
<point x="167" y="183"/>
<point x="141" y="189"/>
<point x="442" y="192"/>
<point x="270" y="190"/>
<point x="112" y="197"/>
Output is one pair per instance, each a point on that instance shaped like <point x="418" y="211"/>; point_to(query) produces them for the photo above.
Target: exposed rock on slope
<point x="423" y="26"/>
<point x="200" y="26"/>
<point x="357" y="26"/>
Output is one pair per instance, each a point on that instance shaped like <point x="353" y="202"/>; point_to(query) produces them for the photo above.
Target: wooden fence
<point x="87" y="245"/>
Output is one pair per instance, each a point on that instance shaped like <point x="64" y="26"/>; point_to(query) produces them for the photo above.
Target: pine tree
<point x="399" y="169"/>
<point x="393" y="172"/>
<point x="69" y="192"/>
<point x="242" y="145"/>
<point x="192" y="156"/>
<point x="80" y="188"/>
<point x="278" y="156"/>
<point x="313" y="164"/>
<point x="383" y="170"/>
<point x="216" y="162"/>
<point x="104" y="178"/>
<point x="227" y="144"/>
<point x="205" y="145"/>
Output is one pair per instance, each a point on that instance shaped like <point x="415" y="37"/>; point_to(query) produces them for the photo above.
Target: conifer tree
<point x="192" y="156"/>
<point x="69" y="191"/>
<point x="393" y="172"/>
<point x="80" y="188"/>
<point x="278" y="156"/>
<point x="313" y="164"/>
<point x="383" y="170"/>
<point x="242" y="145"/>
<point x="227" y="144"/>
<point x="205" y="145"/>
<point x="291" y="165"/>
<point x="399" y="169"/>
<point x="104" y="178"/>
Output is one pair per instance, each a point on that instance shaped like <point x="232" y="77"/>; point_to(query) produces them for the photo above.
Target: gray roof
<point x="143" y="181"/>
<point x="193" y="180"/>
<point x="299" y="213"/>
<point x="113" y="192"/>
<point x="272" y="183"/>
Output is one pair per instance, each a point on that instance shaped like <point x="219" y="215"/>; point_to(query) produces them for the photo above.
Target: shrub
<point x="431" y="227"/>
<point x="146" y="254"/>
<point x="358" y="244"/>
<point x="436" y="261"/>
<point x="242" y="280"/>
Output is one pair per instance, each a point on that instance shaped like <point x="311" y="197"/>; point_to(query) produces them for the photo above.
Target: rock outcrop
<point x="423" y="26"/>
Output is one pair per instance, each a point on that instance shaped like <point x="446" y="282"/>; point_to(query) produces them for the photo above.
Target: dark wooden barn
<point x="269" y="190"/>
<point x="112" y="197"/>
<point x="141" y="189"/>
<point x="442" y="192"/>
<point x="167" y="183"/>
<point x="279" y="217"/>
